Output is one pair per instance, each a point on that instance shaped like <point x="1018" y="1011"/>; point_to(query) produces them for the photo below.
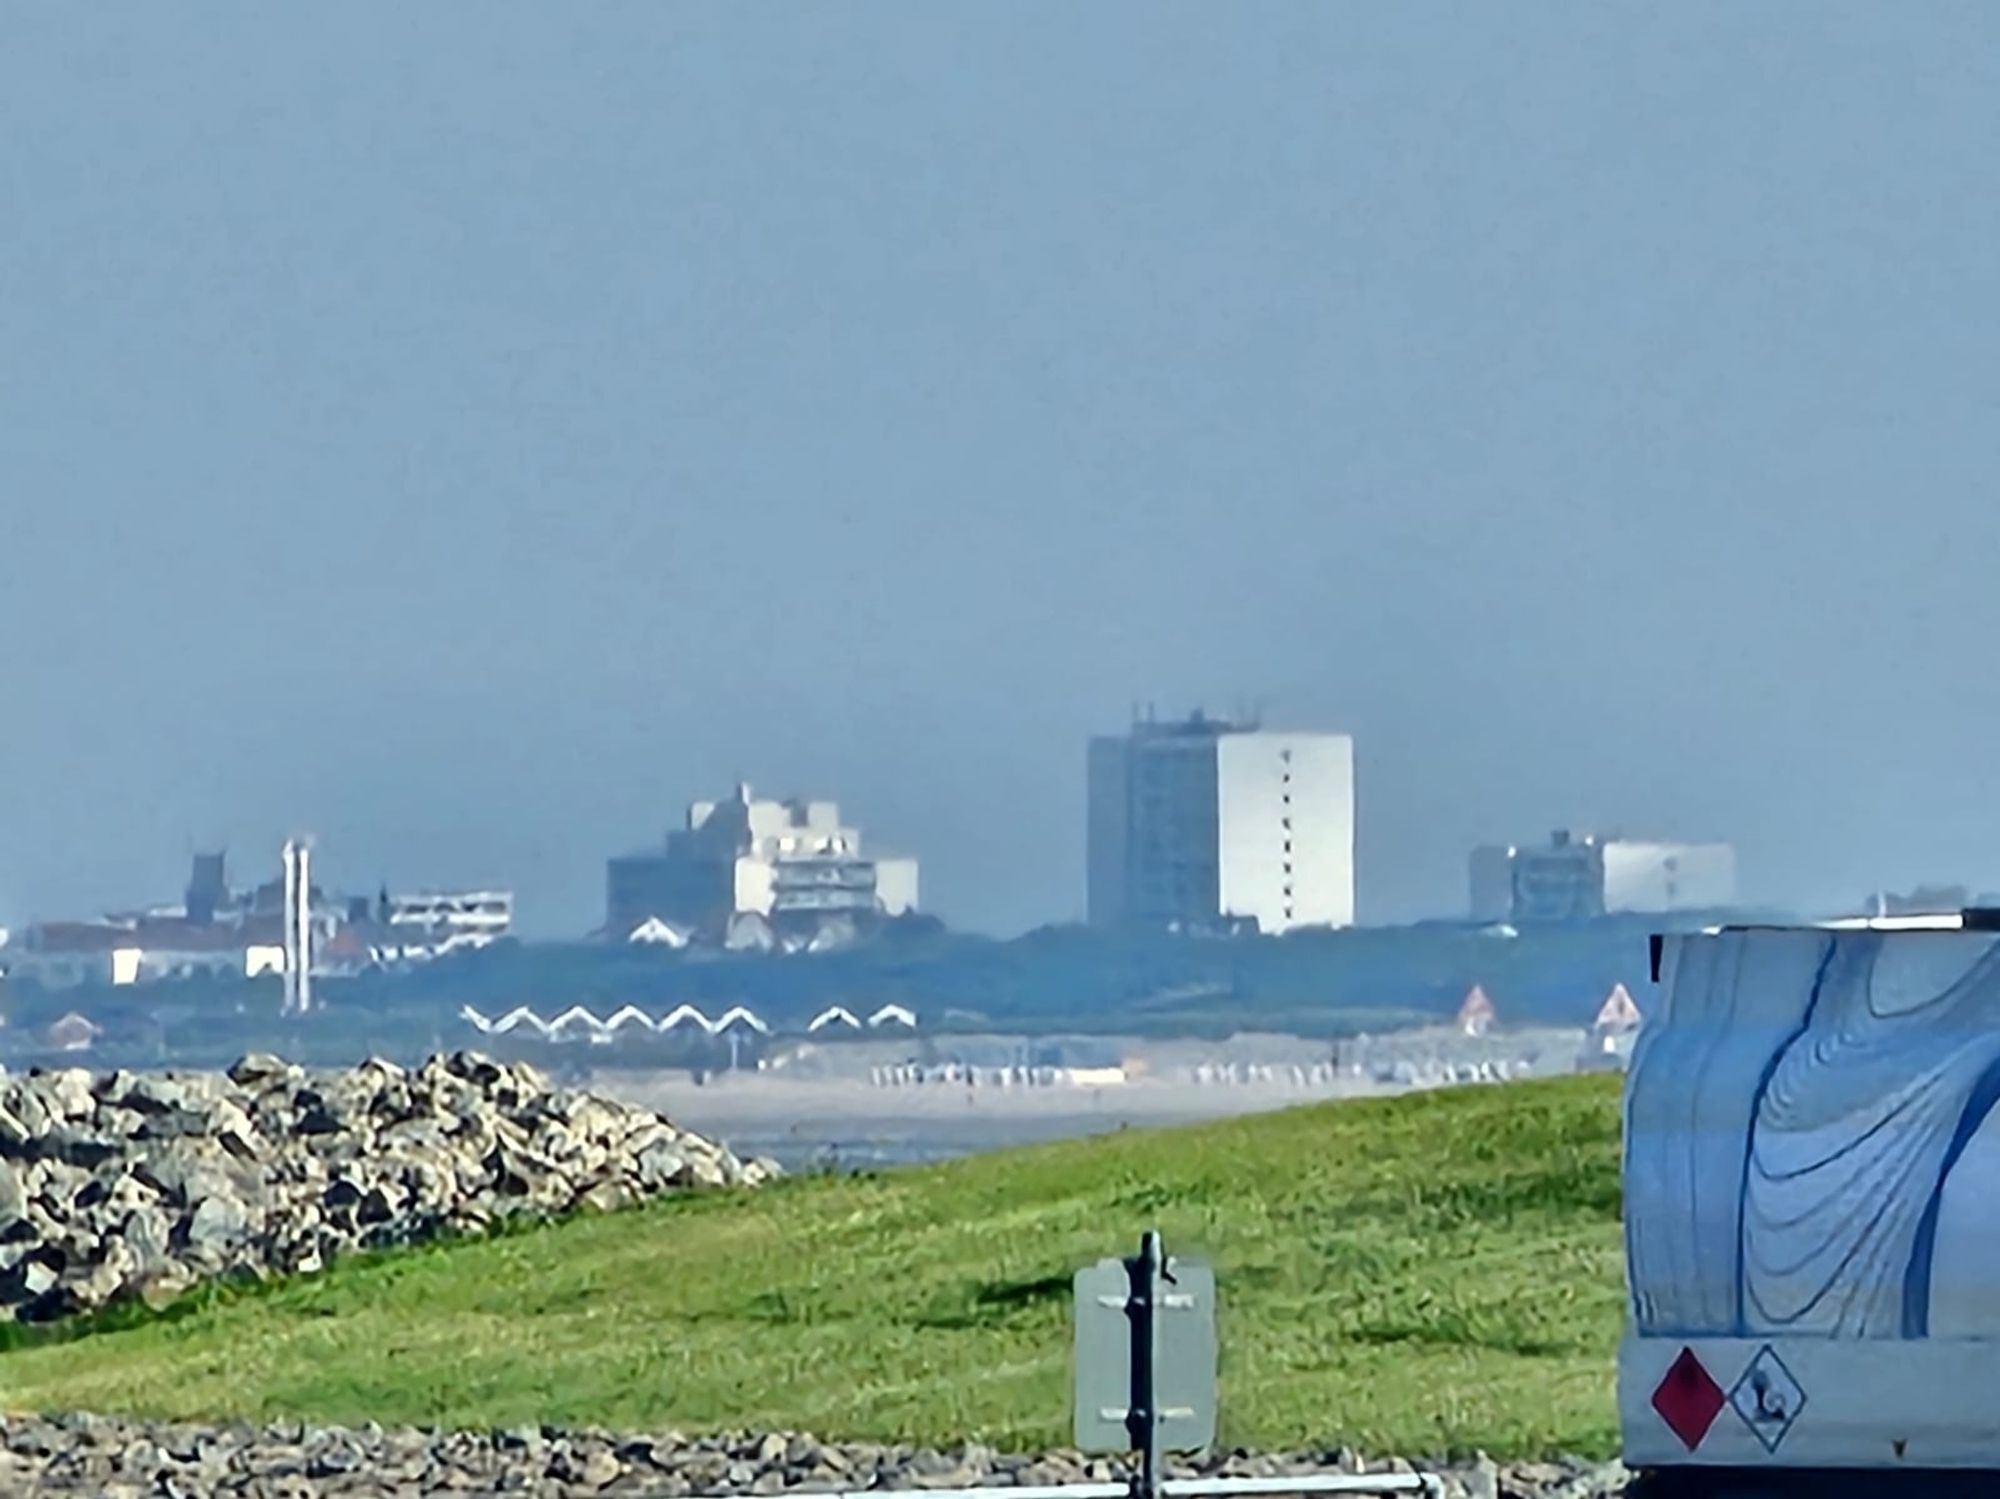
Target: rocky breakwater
<point x="90" y="1455"/>
<point x="120" y="1186"/>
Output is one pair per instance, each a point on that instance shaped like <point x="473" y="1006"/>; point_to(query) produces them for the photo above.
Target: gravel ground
<point x="124" y="1459"/>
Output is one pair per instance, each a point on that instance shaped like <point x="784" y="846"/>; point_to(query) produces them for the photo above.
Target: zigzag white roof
<point x="577" y="1017"/>
<point x="518" y="1016"/>
<point x="654" y="930"/>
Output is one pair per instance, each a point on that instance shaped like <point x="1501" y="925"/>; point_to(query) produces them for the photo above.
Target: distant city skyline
<point x="467" y="433"/>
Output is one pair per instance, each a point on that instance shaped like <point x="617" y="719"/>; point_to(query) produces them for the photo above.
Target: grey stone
<point x="608" y="1197"/>
<point x="14" y="1130"/>
<point x="597" y="1469"/>
<point x="149" y="1094"/>
<point x="256" y="1068"/>
<point x="335" y="1460"/>
<point x="217" y="1222"/>
<point x="67" y="1093"/>
<point x="663" y="1165"/>
<point x="29" y="1280"/>
<point x="13" y="1195"/>
<point x="101" y="1282"/>
<point x="147" y="1232"/>
<point x="30" y="1110"/>
<point x="171" y="1124"/>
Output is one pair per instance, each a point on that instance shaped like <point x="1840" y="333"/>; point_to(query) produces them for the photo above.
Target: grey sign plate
<point x="1183" y="1356"/>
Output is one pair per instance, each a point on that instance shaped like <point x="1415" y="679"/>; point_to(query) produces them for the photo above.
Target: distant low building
<point x="1576" y="877"/>
<point x="1608" y="1046"/>
<point x="464" y="917"/>
<point x="743" y="871"/>
<point x="1928" y="900"/>
<point x="1477" y="1015"/>
<point x="73" y="1032"/>
<point x="63" y="954"/>
<point x="415" y="928"/>
<point x="218" y="931"/>
<point x="1619" y="1014"/>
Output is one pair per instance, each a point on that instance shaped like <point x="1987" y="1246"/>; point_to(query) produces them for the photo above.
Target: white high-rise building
<point x="1202" y="823"/>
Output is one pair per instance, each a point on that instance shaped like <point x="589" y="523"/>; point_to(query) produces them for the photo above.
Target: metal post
<point x="1144" y="1418"/>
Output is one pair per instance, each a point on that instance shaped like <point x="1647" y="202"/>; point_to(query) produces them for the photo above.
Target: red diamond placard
<point x="1688" y="1399"/>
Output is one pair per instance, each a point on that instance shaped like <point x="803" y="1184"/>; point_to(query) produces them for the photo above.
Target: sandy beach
<point x="826" y="1102"/>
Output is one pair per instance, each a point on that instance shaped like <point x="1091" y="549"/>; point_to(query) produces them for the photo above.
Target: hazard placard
<point x="1768" y="1398"/>
<point x="1688" y="1399"/>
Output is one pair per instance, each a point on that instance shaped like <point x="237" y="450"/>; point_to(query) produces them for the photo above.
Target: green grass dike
<point x="1423" y="1274"/>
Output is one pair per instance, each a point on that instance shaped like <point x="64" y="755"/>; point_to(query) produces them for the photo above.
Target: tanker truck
<point x="1812" y="1212"/>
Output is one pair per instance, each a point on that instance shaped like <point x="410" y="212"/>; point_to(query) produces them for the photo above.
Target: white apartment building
<point x="452" y="918"/>
<point x="786" y="861"/>
<point x="1203" y="823"/>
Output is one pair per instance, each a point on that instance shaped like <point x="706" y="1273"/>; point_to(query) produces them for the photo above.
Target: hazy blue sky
<point x="471" y="431"/>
